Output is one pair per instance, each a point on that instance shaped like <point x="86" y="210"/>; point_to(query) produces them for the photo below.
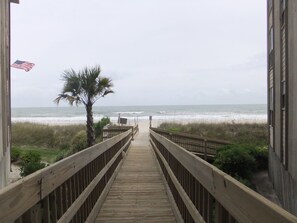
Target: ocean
<point x="169" y="113"/>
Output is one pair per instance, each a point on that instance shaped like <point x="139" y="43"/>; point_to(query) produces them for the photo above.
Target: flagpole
<point x="5" y="103"/>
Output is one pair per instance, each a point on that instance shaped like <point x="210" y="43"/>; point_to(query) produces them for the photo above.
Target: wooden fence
<point x="71" y="190"/>
<point x="112" y="131"/>
<point x="202" y="193"/>
<point x="203" y="147"/>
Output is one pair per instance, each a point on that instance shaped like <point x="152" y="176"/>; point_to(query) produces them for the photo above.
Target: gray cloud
<point x="157" y="52"/>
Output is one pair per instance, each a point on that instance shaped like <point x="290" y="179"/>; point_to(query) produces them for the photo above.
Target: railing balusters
<point x="205" y="148"/>
<point x="205" y="204"/>
<point x="53" y="206"/>
<point x="19" y="220"/>
<point x="66" y="189"/>
<point x="46" y="210"/>
<point x="59" y="202"/>
<point x="210" y="208"/>
<point x="203" y="193"/>
<point x="112" y="131"/>
<point x="33" y="215"/>
<point x="64" y="197"/>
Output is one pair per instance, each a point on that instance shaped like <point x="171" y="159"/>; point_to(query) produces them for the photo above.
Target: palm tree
<point x="85" y="86"/>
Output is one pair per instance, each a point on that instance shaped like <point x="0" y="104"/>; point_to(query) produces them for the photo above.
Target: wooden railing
<point x="71" y="190"/>
<point x="112" y="131"/>
<point x="202" y="193"/>
<point x="203" y="147"/>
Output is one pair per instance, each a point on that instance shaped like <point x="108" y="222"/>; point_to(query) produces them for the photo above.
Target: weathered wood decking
<point x="138" y="193"/>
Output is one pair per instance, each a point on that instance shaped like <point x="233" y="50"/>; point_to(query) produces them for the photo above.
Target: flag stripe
<point x="27" y="66"/>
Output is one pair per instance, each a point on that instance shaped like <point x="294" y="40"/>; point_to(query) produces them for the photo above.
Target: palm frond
<point x="69" y="98"/>
<point x="85" y="86"/>
<point x="107" y="92"/>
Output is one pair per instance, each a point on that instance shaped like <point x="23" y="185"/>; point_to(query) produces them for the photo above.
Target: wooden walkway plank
<point x="138" y="193"/>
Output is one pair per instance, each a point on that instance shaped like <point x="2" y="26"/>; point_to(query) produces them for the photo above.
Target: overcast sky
<point x="157" y="52"/>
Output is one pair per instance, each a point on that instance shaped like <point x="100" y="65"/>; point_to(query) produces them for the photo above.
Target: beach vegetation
<point x="247" y="152"/>
<point x="30" y="162"/>
<point x="33" y="137"/>
<point x="15" y="155"/>
<point x="45" y="136"/>
<point x="238" y="133"/>
<point x="260" y="153"/>
<point x="236" y="160"/>
<point x="47" y="155"/>
<point x="85" y="87"/>
<point x="79" y="142"/>
<point x="63" y="154"/>
<point x="100" y="125"/>
<point x="241" y="161"/>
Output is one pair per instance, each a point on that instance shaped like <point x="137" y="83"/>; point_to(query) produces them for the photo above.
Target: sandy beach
<point x="14" y="175"/>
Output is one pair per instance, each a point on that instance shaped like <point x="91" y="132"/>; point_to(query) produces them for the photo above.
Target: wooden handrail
<point x="112" y="131"/>
<point x="206" y="192"/>
<point x="190" y="136"/>
<point x="67" y="190"/>
<point x="204" y="147"/>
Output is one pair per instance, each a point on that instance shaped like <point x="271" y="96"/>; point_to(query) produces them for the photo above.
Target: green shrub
<point x="261" y="156"/>
<point x="100" y="125"/>
<point x="30" y="162"/>
<point x="241" y="160"/>
<point x="79" y="141"/>
<point x="64" y="146"/>
<point x="15" y="154"/>
<point x="235" y="160"/>
<point x="245" y="182"/>
<point x="174" y="129"/>
<point x="63" y="154"/>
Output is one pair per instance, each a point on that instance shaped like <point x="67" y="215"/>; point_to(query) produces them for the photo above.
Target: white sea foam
<point x="159" y="119"/>
<point x="129" y="112"/>
<point x="184" y="114"/>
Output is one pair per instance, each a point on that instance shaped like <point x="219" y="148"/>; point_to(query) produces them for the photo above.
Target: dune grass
<point x="239" y="133"/>
<point x="48" y="141"/>
<point x="47" y="155"/>
<point x="46" y="136"/>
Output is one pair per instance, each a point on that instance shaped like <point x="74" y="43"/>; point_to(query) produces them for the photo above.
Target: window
<point x="270" y="2"/>
<point x="283" y="93"/>
<point x="283" y="11"/>
<point x="271" y="136"/>
<point x="283" y="86"/>
<point x="270" y="20"/>
<point x="271" y="99"/>
<point x="271" y="117"/>
<point x="271" y="39"/>
<point x="284" y="146"/>
<point x="284" y="5"/>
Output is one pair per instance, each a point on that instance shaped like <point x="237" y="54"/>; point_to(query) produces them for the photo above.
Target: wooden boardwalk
<point x="138" y="193"/>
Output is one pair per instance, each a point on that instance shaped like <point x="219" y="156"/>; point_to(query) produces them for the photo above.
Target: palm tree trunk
<point x="90" y="125"/>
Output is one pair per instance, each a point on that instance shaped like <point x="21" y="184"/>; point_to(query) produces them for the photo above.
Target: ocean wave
<point x="132" y="120"/>
<point x="130" y="112"/>
<point x="76" y="115"/>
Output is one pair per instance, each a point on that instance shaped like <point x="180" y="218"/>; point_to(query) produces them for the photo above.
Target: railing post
<point x="170" y="136"/>
<point x="205" y="149"/>
<point x="132" y="132"/>
<point x="105" y="162"/>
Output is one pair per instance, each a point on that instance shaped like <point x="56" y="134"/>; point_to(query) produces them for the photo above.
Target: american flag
<point x="27" y="66"/>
